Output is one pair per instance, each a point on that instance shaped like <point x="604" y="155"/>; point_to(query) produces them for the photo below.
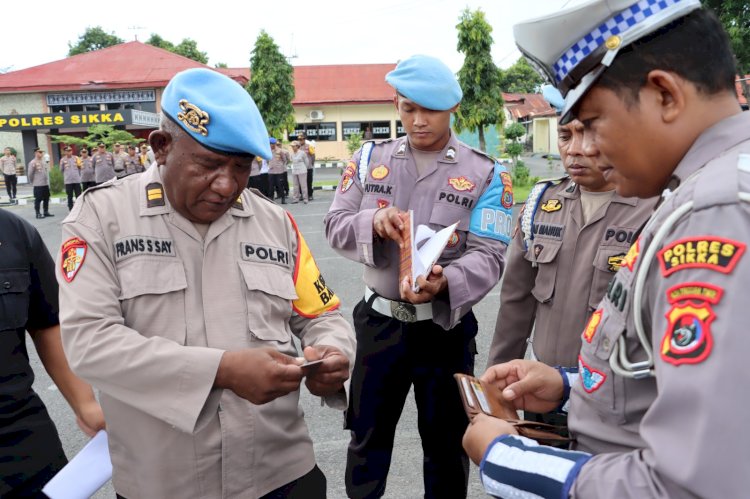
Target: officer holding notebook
<point x="420" y="338"/>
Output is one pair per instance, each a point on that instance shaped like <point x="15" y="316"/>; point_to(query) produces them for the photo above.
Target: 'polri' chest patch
<point x="262" y="253"/>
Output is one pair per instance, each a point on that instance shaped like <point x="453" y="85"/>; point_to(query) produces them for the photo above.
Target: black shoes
<point x="39" y="215"/>
<point x="48" y="214"/>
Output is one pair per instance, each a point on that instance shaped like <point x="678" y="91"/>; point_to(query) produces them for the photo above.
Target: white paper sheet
<point x="86" y="473"/>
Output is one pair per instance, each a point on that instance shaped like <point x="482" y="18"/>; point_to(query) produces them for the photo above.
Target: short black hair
<point x="695" y="47"/>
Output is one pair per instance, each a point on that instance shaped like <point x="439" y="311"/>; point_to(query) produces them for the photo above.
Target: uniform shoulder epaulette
<point x="532" y="203"/>
<point x="481" y="153"/>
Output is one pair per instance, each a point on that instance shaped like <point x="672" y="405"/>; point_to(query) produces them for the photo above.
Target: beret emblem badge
<point x="193" y="117"/>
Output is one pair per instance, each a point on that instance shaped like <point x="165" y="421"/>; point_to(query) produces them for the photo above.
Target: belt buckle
<point x="404" y="312"/>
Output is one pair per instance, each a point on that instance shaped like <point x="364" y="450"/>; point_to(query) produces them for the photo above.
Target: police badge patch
<point x="552" y="205"/>
<point x="688" y="339"/>
<point x="73" y="254"/>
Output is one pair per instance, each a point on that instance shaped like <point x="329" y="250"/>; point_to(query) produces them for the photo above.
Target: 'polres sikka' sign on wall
<point x="82" y="119"/>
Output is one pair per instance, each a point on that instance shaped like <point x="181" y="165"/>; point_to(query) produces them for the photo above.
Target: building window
<point x="316" y="131"/>
<point x="368" y="129"/>
<point x="400" y="132"/>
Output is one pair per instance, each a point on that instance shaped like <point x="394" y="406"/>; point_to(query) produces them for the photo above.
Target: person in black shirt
<point x="30" y="449"/>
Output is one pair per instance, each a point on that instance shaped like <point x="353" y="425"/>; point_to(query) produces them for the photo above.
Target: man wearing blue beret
<point x="658" y="401"/>
<point x="419" y="338"/>
<point x="180" y="293"/>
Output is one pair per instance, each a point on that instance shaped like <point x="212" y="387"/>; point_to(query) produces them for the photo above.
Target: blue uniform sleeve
<point x="518" y="467"/>
<point x="492" y="217"/>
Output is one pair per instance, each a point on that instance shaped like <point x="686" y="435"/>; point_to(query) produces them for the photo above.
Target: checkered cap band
<point x="615" y="25"/>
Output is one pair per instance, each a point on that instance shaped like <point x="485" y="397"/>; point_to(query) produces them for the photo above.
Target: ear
<point x="161" y="143"/>
<point x="395" y="101"/>
<point x="670" y="93"/>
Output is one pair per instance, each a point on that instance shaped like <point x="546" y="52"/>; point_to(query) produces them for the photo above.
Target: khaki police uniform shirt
<point x="104" y="166"/>
<point x="554" y="281"/>
<point x="8" y="164"/>
<point x="87" y="170"/>
<point x="307" y="148"/>
<point x="279" y="160"/>
<point x="120" y="160"/>
<point x="71" y="172"/>
<point x="38" y="173"/>
<point x="132" y="165"/>
<point x="148" y="308"/>
<point x="463" y="186"/>
<point x="681" y="433"/>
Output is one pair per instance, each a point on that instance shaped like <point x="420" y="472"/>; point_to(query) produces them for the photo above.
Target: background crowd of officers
<point x="271" y="177"/>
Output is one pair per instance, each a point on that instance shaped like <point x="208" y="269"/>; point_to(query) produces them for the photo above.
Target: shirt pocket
<point x="269" y="292"/>
<point x="14" y="298"/>
<point x="443" y="216"/>
<point x="606" y="264"/>
<point x="152" y="296"/>
<point x="544" y="252"/>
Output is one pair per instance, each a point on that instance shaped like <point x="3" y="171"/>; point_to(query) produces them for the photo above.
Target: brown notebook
<point x="480" y="397"/>
<point x="422" y="249"/>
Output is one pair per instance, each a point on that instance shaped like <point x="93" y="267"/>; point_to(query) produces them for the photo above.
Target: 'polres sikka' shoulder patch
<point x="490" y="218"/>
<point x="73" y="255"/>
<point x="314" y="296"/>
<point x="708" y="252"/>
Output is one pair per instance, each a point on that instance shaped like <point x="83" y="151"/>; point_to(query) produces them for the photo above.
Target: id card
<point x="479" y="394"/>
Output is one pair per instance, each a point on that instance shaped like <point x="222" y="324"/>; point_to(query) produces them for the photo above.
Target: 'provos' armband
<point x="492" y="217"/>
<point x="314" y="295"/>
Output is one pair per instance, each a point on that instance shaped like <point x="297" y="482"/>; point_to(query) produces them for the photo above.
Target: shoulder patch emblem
<point x="461" y="184"/>
<point x="506" y="178"/>
<point x="695" y="291"/>
<point x="506" y="198"/>
<point x="73" y="255"/>
<point x="632" y="255"/>
<point x="708" y="252"/>
<point x="688" y="337"/>
<point x="380" y="172"/>
<point x="154" y="195"/>
<point x="590" y="330"/>
<point x="453" y="241"/>
<point x="348" y="178"/>
<point x="591" y="379"/>
<point x="551" y="205"/>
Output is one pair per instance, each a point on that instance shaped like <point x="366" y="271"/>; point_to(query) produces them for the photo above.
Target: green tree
<point x="186" y="48"/>
<point x="189" y="48"/>
<point x="520" y="78"/>
<point x="272" y="85"/>
<point x="354" y="142"/>
<point x="221" y="65"/>
<point x="735" y="17"/>
<point x="514" y="148"/>
<point x="482" y="104"/>
<point x="93" y="39"/>
<point x="99" y="133"/>
<point x="158" y="41"/>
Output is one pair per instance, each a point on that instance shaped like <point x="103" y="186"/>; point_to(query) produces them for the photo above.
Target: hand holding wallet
<point x="480" y="397"/>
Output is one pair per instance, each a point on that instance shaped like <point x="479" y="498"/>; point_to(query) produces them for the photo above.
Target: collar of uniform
<point x="449" y="153"/>
<point x="242" y="207"/>
<point x="575" y="193"/>
<point x="724" y="135"/>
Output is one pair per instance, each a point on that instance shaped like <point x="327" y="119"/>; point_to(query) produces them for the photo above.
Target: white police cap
<point x="572" y="48"/>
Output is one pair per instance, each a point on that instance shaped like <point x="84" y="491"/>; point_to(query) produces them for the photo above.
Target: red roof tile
<point x="127" y="65"/>
<point x="527" y="106"/>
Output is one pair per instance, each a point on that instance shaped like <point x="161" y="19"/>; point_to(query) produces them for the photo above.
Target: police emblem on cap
<point x="193" y="117"/>
<point x="613" y="42"/>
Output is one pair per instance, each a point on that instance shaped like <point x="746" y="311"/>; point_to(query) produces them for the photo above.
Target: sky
<point x="309" y="33"/>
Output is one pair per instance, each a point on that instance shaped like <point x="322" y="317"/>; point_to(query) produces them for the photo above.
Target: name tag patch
<point x="264" y="254"/>
<point x="143" y="245"/>
<point x="457" y="199"/>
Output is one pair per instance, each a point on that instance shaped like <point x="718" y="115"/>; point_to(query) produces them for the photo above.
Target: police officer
<point x="103" y="163"/>
<point x="30" y="449"/>
<point x="308" y="149"/>
<point x="132" y="162"/>
<point x="657" y="405"/>
<point x="120" y="157"/>
<point x="88" y="178"/>
<point x="8" y="167"/>
<point x="277" y="170"/>
<point x="180" y="292"/>
<point x="71" y="175"/>
<point x="571" y="238"/>
<point x="38" y="173"/>
<point x="420" y="338"/>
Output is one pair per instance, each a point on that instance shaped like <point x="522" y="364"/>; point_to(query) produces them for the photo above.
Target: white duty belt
<point x="399" y="310"/>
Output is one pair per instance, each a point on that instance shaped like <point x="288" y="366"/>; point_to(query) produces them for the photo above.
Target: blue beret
<point x="217" y="112"/>
<point x="553" y="96"/>
<point x="271" y="140"/>
<point x="426" y="81"/>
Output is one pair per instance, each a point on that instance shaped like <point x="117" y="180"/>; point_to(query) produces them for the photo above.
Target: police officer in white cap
<point x="656" y="406"/>
<point x="406" y="338"/>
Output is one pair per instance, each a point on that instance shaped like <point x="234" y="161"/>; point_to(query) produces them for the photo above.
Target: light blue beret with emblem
<point x="217" y="112"/>
<point x="572" y="48"/>
<point x="553" y="96"/>
<point x="426" y="81"/>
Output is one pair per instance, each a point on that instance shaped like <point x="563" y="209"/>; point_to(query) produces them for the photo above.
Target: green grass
<point x="321" y="183"/>
<point x="520" y="193"/>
